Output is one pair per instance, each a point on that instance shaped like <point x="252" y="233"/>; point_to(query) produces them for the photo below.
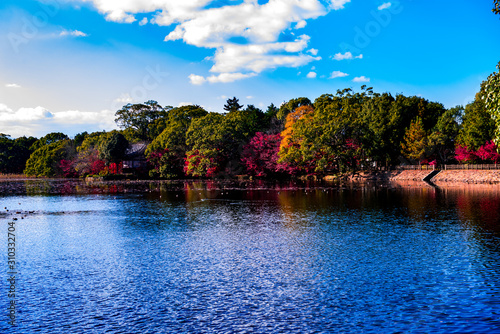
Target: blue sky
<point x="68" y="65"/>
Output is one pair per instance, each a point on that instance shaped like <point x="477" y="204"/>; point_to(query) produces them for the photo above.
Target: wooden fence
<point x="415" y="167"/>
<point x="450" y="167"/>
<point x="471" y="167"/>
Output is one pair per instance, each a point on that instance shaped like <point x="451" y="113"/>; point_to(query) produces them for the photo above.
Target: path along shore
<point x="464" y="176"/>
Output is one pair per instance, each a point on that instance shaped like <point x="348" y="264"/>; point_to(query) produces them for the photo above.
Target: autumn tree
<point x="291" y="105"/>
<point x="260" y="155"/>
<point x="415" y="141"/>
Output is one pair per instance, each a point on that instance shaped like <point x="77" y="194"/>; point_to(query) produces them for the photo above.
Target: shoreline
<point x="443" y="177"/>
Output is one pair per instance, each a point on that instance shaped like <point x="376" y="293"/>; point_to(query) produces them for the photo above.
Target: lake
<point x="250" y="257"/>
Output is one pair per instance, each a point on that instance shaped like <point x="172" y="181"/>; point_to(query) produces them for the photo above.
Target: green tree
<point x="478" y="126"/>
<point x="209" y="140"/>
<point x="139" y="117"/>
<point x="380" y="135"/>
<point x="167" y="151"/>
<point x="173" y="137"/>
<point x="79" y="138"/>
<point x="232" y="105"/>
<point x="114" y="148"/>
<point x="490" y="93"/>
<point x="49" y="139"/>
<point x="6" y="145"/>
<point x="442" y="140"/>
<point x="44" y="162"/>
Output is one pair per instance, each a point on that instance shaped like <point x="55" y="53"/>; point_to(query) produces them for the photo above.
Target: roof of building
<point x="136" y="150"/>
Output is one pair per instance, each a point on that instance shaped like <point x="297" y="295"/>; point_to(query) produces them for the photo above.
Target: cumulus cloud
<point x="301" y="24"/>
<point x="12" y="85"/>
<point x="220" y="78"/>
<point x="384" y="6"/>
<point x="338" y="4"/>
<point x="314" y="52"/>
<point x="214" y="24"/>
<point x="361" y="79"/>
<point x="347" y="55"/>
<point x="338" y="74"/>
<point x="72" y="33"/>
<point x="39" y="121"/>
<point x="311" y="75"/>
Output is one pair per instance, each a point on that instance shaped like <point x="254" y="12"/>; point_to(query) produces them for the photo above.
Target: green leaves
<point x="139" y="117"/>
<point x="490" y="90"/>
<point x="45" y="160"/>
<point x="113" y="149"/>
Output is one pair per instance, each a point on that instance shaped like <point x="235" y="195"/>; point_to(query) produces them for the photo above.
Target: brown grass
<point x="13" y="176"/>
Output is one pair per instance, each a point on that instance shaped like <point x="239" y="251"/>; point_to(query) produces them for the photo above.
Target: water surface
<point x="214" y="257"/>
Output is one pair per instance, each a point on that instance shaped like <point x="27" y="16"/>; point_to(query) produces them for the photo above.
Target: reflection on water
<point x="224" y="257"/>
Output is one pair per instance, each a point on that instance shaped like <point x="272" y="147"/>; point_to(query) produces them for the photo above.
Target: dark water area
<point x="250" y="257"/>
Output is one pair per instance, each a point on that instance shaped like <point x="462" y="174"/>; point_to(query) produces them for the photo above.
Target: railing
<point x="471" y="167"/>
<point x="416" y="167"/>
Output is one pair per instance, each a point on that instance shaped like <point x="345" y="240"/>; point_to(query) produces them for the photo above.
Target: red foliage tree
<point x="67" y="168"/>
<point x="463" y="155"/>
<point x="260" y="156"/>
<point x="488" y="152"/>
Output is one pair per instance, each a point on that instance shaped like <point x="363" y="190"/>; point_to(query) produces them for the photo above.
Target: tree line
<point x="336" y="133"/>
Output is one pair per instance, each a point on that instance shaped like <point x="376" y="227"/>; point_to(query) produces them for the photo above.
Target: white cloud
<point x="229" y="77"/>
<point x="249" y="97"/>
<point x="124" y="98"/>
<point x="361" y="79"/>
<point x="314" y="52"/>
<point x="338" y="4"/>
<point x="39" y="121"/>
<point x="73" y="33"/>
<point x="301" y="24"/>
<point x="196" y="79"/>
<point x="23" y="114"/>
<point x="12" y="85"/>
<point x="347" y="55"/>
<point x="338" y="74"/>
<point x="144" y="21"/>
<point x="384" y="6"/>
<point x="213" y="24"/>
<point x="311" y="75"/>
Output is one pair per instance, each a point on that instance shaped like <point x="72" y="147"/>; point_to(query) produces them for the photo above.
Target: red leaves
<point x="260" y="155"/>
<point x="67" y="168"/>
<point x="487" y="153"/>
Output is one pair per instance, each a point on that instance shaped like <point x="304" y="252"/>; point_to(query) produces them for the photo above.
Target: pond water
<point x="208" y="257"/>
